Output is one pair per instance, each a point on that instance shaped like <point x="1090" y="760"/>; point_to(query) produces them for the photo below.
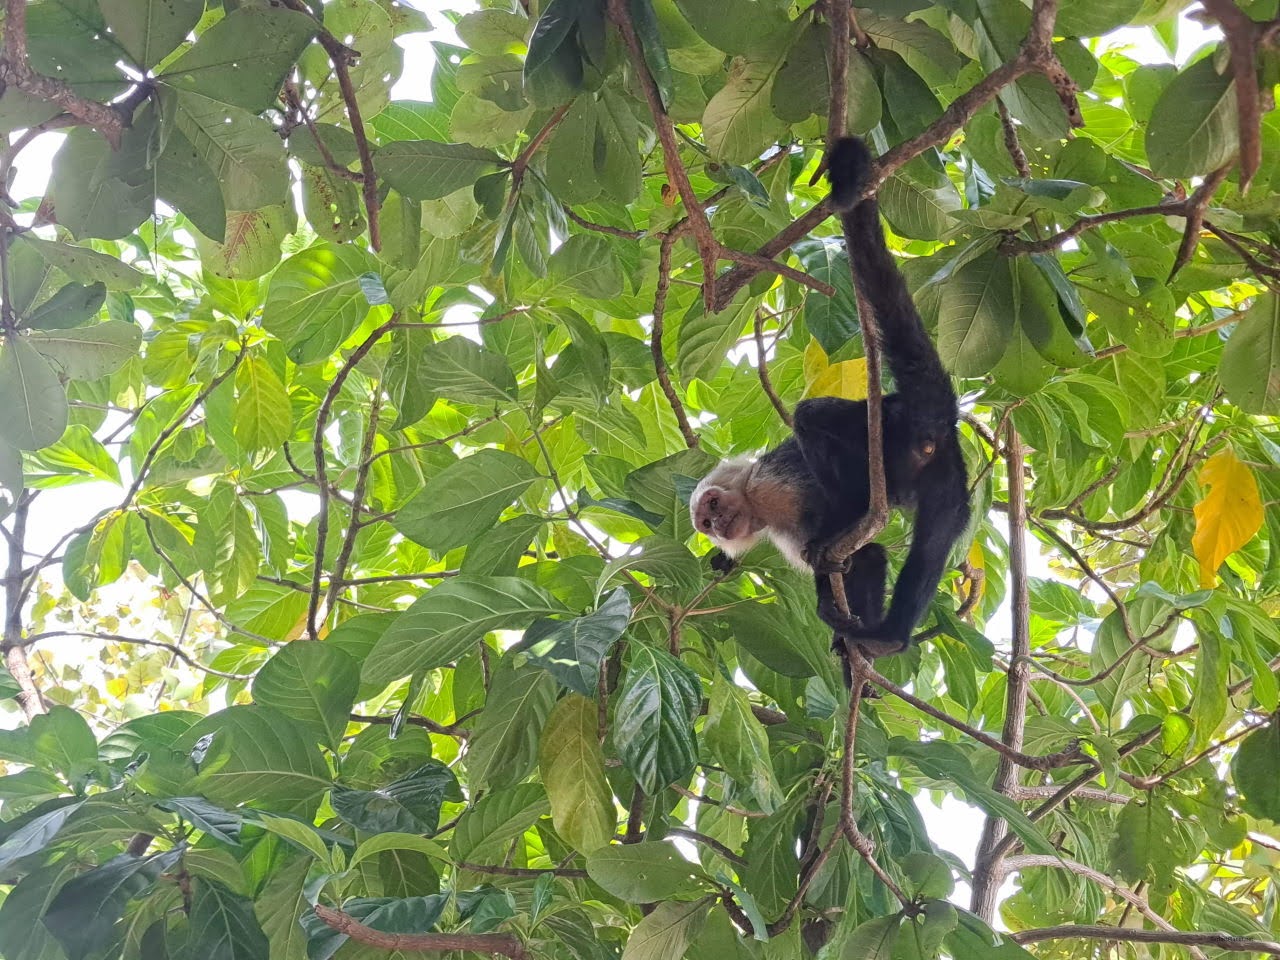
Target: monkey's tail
<point x="910" y="353"/>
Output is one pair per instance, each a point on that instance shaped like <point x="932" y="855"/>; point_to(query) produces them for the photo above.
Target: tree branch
<point x="503" y="944"/>
<point x="1221" y="941"/>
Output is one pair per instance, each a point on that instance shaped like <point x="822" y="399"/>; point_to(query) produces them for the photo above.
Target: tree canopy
<point x="393" y="634"/>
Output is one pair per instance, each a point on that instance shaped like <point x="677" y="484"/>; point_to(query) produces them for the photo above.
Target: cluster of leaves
<point x="423" y="458"/>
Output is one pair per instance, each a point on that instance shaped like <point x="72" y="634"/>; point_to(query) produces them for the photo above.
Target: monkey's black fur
<point x="826" y="460"/>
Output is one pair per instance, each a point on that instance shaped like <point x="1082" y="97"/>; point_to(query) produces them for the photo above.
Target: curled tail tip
<point x="848" y="167"/>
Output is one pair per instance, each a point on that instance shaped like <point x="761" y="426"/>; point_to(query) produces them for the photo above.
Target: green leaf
<point x="410" y="804"/>
<point x="832" y="320"/>
<point x="464" y="500"/>
<point x="975" y="317"/>
<point x="32" y="396"/>
<point x="149" y="30"/>
<point x="1093" y="18"/>
<point x="315" y="300"/>
<point x="1255" y="768"/>
<point x="1141" y="849"/>
<point x="461" y="369"/>
<point x="1250" y="366"/>
<point x="331" y="205"/>
<point x="447" y="620"/>
<point x="222" y="925"/>
<point x="252" y="243"/>
<point x="667" y="932"/>
<point x="572" y="767"/>
<point x="87" y="353"/>
<point x="82" y="264"/>
<point x="243" y="151"/>
<point x="653" y="721"/>
<point x="257" y="755"/>
<point x="85" y="911"/>
<point x="314" y="683"/>
<point x="72" y="305"/>
<point x="705" y="338"/>
<point x="646" y="872"/>
<point x="587" y="263"/>
<point x="61" y="738"/>
<point x="263" y="419"/>
<point x="738" y="741"/>
<point x="645" y="23"/>
<point x="485" y="831"/>
<point x="89" y="196"/>
<point x="873" y="940"/>
<point x="427" y="170"/>
<point x="504" y="742"/>
<point x="301" y="835"/>
<point x="222" y="825"/>
<point x="242" y="59"/>
<point x="493" y="32"/>
<point x="1193" y="127"/>
<point x="739" y="122"/>
<point x="572" y="650"/>
<point x="34" y="835"/>
<point x="920" y="937"/>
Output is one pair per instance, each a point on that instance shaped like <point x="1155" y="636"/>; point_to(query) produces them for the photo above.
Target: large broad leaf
<point x="832" y="320"/>
<point x="263" y="418"/>
<point x="243" y="58"/>
<point x="243" y="150"/>
<point x="588" y="263"/>
<point x="63" y="741"/>
<point x="186" y="181"/>
<point x="410" y="804"/>
<point x="653" y="722"/>
<point x="667" y="932"/>
<point x="427" y="170"/>
<point x="86" y="353"/>
<point x="443" y="623"/>
<point x="222" y="925"/>
<point x="1250" y="367"/>
<point x="646" y="872"/>
<point x="504" y="742"/>
<point x="464" y="500"/>
<point x="976" y="315"/>
<point x="484" y="833"/>
<point x="1256" y="769"/>
<point x="572" y="766"/>
<point x="316" y="299"/>
<point x="85" y="911"/>
<point x="314" y="683"/>
<point x="150" y="30"/>
<point x="250" y="245"/>
<point x="462" y="370"/>
<point x="257" y="755"/>
<point x="1193" y="127"/>
<point x="34" y="835"/>
<point x="33" y="400"/>
<point x="82" y="264"/>
<point x="572" y="650"/>
<point x="738" y="741"/>
<point x="90" y="196"/>
<point x="1228" y="515"/>
<point x="72" y="305"/>
<point x="739" y="122"/>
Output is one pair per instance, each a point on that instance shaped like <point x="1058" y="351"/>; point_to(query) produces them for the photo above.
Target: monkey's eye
<point x="706" y="524"/>
<point x="713" y="503"/>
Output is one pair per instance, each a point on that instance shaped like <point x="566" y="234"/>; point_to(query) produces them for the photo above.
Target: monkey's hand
<point x="815" y="555"/>
<point x="722" y="563"/>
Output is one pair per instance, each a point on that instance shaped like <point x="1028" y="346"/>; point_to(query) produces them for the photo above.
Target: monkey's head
<point x="721" y="509"/>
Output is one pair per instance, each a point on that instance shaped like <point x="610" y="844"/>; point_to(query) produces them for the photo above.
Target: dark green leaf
<point x="314" y="683"/>
<point x="427" y="170"/>
<point x="408" y="805"/>
<point x="572" y="650"/>
<point x="464" y="500"/>
<point x="653" y="722"/>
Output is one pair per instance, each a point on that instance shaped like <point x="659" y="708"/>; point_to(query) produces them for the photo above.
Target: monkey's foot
<point x="721" y="562"/>
<point x="815" y="555"/>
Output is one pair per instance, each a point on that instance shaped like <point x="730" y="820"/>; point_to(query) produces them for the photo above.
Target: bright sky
<point x="953" y="825"/>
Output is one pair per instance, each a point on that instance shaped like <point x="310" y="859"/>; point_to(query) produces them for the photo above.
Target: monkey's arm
<point x="721" y="562"/>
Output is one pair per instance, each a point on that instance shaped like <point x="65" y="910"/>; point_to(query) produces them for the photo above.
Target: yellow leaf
<point x="1229" y="514"/>
<point x="847" y="379"/>
<point x="815" y="362"/>
<point x="978" y="566"/>
<point x="117" y="687"/>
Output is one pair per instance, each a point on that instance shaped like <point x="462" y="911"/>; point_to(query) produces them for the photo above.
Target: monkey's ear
<point x="721" y="562"/>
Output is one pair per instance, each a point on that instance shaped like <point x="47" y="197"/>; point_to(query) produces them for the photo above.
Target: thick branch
<point x="503" y="944"/>
<point x="1242" y="41"/>
<point x="15" y="655"/>
<point x="1219" y="940"/>
<point x="986" y="874"/>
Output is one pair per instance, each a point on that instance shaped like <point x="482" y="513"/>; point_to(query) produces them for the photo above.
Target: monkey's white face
<point x="724" y="515"/>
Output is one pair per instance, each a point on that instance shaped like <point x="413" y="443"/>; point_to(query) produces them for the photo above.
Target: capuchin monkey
<point x="807" y="493"/>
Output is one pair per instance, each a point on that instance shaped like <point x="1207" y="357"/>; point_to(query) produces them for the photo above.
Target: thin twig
<point x="766" y="383"/>
<point x="1221" y="941"/>
<point x="655" y="341"/>
<point x="140" y="641"/>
